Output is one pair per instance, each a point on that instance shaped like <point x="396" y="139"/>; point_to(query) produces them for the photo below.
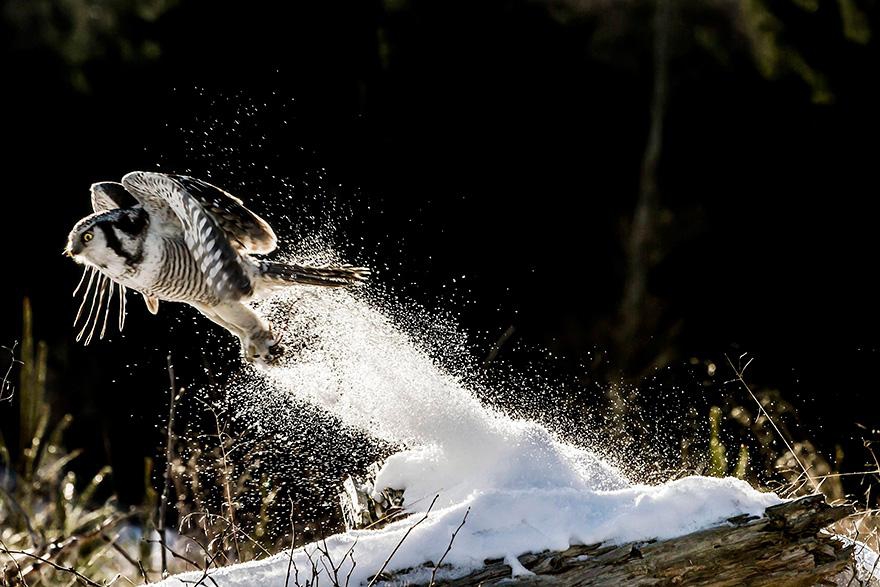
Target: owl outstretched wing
<point x="108" y="195"/>
<point x="247" y="231"/>
<point x="216" y="226"/>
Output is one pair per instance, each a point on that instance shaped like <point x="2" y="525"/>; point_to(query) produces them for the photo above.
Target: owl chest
<point x="170" y="272"/>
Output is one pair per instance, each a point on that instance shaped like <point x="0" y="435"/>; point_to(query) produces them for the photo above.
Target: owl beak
<point x="74" y="247"/>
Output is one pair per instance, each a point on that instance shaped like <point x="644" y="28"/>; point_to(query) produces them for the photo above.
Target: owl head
<point x="112" y="240"/>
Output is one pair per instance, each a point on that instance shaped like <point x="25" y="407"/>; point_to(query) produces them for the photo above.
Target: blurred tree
<point x="778" y="37"/>
<point x="80" y="31"/>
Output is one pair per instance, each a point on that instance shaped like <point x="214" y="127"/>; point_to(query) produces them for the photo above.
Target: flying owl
<point x="179" y="239"/>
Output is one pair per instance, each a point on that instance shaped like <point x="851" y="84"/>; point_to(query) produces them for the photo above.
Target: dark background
<point x="501" y="141"/>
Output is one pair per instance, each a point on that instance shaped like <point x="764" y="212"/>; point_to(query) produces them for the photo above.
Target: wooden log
<point x="786" y="547"/>
<point x="364" y="507"/>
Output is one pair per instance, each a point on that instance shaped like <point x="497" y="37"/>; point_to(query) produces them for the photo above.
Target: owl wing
<point x="169" y="199"/>
<point x="247" y="232"/>
<point x="109" y="195"/>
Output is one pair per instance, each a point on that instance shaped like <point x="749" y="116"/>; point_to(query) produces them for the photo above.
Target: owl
<point x="179" y="239"/>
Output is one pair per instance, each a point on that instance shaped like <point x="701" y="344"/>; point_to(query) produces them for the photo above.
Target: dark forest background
<point x="502" y="159"/>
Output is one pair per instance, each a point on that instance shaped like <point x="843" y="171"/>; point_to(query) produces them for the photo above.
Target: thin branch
<point x="315" y="570"/>
<point x="136" y="563"/>
<point x="392" y="514"/>
<point x="334" y="568"/>
<point x="449" y="547"/>
<point x="222" y="435"/>
<point x="353" y="564"/>
<point x="6" y="389"/>
<point x="205" y="575"/>
<point x="176" y="554"/>
<point x="230" y="525"/>
<point x="166" y="485"/>
<point x="15" y="562"/>
<point x="207" y="553"/>
<point x="56" y="548"/>
<point x="411" y="528"/>
<point x="739" y="377"/>
<point x="290" y="562"/>
<point x="57" y="567"/>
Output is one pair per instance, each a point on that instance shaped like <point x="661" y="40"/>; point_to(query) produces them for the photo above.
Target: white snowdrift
<point x="509" y="523"/>
<point x="526" y="490"/>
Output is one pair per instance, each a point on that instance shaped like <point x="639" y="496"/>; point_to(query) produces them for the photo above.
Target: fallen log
<point x="788" y="546"/>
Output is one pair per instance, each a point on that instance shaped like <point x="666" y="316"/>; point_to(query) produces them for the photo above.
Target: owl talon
<point x="275" y="352"/>
<point x="264" y="352"/>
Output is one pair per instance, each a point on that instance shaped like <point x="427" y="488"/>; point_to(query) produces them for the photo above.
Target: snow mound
<point x="505" y="524"/>
<point x="522" y="488"/>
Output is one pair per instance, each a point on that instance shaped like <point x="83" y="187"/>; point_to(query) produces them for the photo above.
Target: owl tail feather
<point x="326" y="276"/>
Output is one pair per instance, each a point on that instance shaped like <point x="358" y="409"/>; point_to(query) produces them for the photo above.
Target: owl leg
<point x="209" y="313"/>
<point x="258" y="342"/>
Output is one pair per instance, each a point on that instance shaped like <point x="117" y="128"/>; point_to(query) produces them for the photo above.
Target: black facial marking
<point x="113" y="243"/>
<point x="112" y="240"/>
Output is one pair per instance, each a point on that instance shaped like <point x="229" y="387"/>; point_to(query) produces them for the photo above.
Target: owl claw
<point x="264" y="352"/>
<point x="275" y="352"/>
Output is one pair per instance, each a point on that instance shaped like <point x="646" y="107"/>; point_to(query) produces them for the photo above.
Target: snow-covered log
<point x="785" y="547"/>
<point x="788" y="545"/>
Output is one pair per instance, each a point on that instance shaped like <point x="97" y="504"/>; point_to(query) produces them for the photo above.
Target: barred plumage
<point x="180" y="239"/>
<point x="178" y="278"/>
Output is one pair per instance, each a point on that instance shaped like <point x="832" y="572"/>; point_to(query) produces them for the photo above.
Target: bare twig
<point x="410" y="529"/>
<point x="333" y="571"/>
<point x="315" y="570"/>
<point x="143" y="571"/>
<point x="739" y="376"/>
<point x="290" y="562"/>
<point x="14" y="561"/>
<point x="207" y="553"/>
<point x="166" y="485"/>
<point x="205" y="576"/>
<point x="222" y="436"/>
<point x="82" y="578"/>
<point x="176" y="554"/>
<point x="131" y="560"/>
<point x="56" y="548"/>
<point x="6" y="389"/>
<point x="449" y="547"/>
<point x="353" y="564"/>
<point x="392" y="514"/>
<point x="230" y="524"/>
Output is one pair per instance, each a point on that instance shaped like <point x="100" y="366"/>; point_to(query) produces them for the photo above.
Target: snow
<point x="523" y="489"/>
<point x="867" y="567"/>
<point x="506" y="523"/>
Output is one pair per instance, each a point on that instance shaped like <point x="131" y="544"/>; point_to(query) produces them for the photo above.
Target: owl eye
<point x="87" y="237"/>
